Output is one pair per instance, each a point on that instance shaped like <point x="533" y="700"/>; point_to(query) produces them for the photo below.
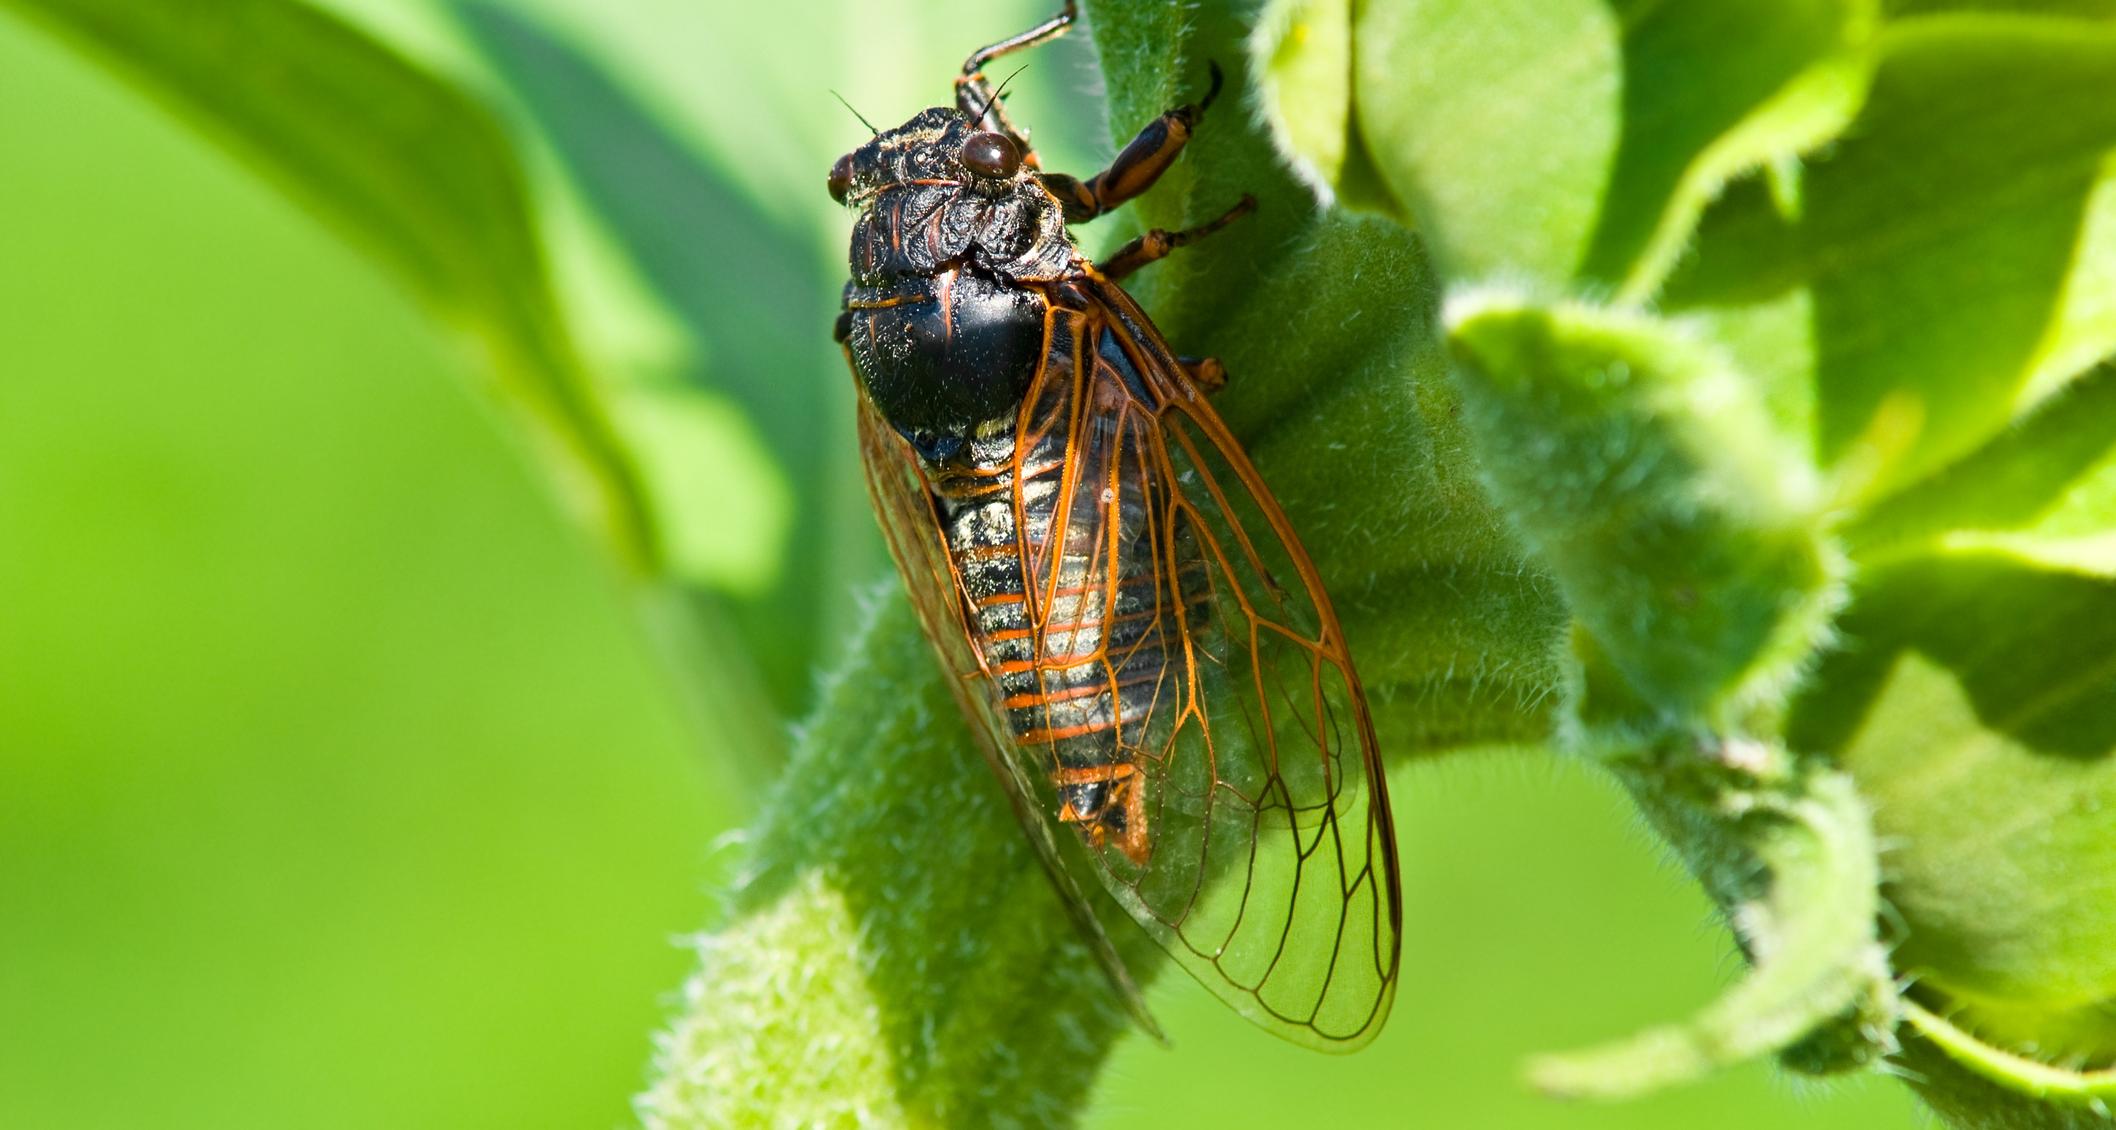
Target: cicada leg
<point x="1138" y="167"/>
<point x="1156" y="244"/>
<point x="1205" y="372"/>
<point x="1126" y="788"/>
<point x="974" y="94"/>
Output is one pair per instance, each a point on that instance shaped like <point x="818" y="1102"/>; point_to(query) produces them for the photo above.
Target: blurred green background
<point x="339" y="782"/>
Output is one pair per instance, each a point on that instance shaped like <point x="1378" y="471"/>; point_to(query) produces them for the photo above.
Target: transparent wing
<point x="904" y="503"/>
<point x="1254" y="841"/>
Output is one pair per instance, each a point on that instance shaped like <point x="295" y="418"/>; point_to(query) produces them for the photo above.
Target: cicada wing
<point x="905" y="505"/>
<point x="1268" y="863"/>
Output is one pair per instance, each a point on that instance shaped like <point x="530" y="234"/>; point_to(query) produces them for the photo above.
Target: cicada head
<point x="937" y="145"/>
<point x="938" y="189"/>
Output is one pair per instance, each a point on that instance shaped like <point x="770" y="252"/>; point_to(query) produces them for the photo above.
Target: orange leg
<point x="1205" y="372"/>
<point x="1127" y="787"/>
<point x="1156" y="244"/>
<point x="1136" y="169"/>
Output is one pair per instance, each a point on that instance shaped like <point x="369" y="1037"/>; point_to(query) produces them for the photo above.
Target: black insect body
<point x="944" y="314"/>
<point x="1123" y="608"/>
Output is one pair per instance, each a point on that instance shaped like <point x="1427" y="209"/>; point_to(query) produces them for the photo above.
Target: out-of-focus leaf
<point x="408" y="166"/>
<point x="1301" y="52"/>
<point x="2053" y="474"/>
<point x="1978" y="696"/>
<point x="1618" y="122"/>
<point x="691" y="447"/>
<point x="339" y="788"/>
<point x="756" y="305"/>
<point x="2086" y="9"/>
<point x="1950" y="260"/>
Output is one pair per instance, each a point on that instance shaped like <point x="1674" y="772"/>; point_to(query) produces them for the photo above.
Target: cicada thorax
<point x="944" y="314"/>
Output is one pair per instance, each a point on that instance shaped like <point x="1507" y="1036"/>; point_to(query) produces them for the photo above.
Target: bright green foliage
<point x="1884" y="333"/>
<point x="1791" y="857"/>
<point x="1952" y="252"/>
<point x="1978" y="667"/>
<point x="1578" y="140"/>
<point x="1712" y="387"/>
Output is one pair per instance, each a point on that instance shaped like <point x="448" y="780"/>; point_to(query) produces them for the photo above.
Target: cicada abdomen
<point x="1074" y="591"/>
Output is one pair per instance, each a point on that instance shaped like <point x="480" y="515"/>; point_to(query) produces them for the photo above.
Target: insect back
<point x="942" y="315"/>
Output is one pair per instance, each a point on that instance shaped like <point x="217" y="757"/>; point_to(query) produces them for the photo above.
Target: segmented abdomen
<point x="1081" y="660"/>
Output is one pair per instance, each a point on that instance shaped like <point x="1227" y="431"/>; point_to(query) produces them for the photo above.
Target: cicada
<point x="1122" y="608"/>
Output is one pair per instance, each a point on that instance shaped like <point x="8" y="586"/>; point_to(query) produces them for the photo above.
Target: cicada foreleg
<point x="979" y="100"/>
<point x="1140" y="164"/>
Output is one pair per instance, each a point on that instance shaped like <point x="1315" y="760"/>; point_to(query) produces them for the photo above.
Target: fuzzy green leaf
<point x="1302" y="54"/>
<point x="1686" y="538"/>
<point x="893" y="942"/>
<point x="1793" y="863"/>
<point x="1976" y="1086"/>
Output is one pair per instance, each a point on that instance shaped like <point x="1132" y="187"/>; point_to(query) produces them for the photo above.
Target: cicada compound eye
<point x="991" y="155"/>
<point x="841" y="178"/>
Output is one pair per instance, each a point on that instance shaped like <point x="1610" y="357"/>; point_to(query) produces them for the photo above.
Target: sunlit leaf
<point x="1979" y="700"/>
<point x="1948" y="262"/>
<point x="1617" y="123"/>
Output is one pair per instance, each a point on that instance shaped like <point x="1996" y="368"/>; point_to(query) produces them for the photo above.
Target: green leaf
<point x="1352" y="421"/>
<point x="1979" y="1087"/>
<point x="408" y="166"/>
<point x="1685" y="537"/>
<point x="1301" y="53"/>
<point x="755" y="306"/>
<point x="2084" y="9"/>
<point x="1949" y="262"/>
<point x="1617" y="122"/>
<point x="1978" y="713"/>
<point x="2052" y="474"/>
<point x="691" y="446"/>
<point x="859" y="934"/>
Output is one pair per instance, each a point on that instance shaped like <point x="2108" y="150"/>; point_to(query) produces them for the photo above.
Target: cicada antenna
<point x="996" y="92"/>
<point x="856" y="113"/>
